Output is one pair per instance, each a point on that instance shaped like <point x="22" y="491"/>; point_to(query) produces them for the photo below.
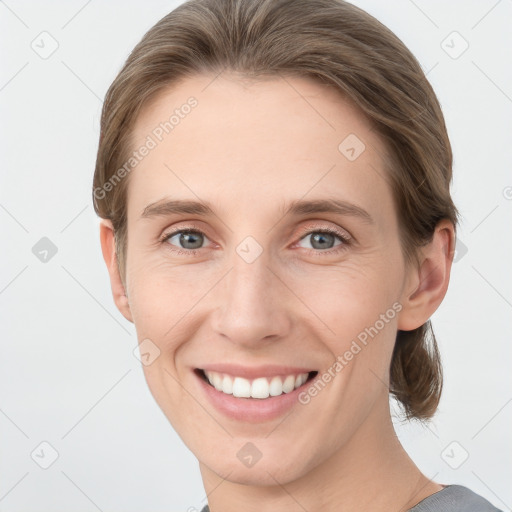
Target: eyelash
<point x="308" y="231"/>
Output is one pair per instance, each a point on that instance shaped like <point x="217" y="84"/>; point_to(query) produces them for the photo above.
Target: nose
<point x="253" y="304"/>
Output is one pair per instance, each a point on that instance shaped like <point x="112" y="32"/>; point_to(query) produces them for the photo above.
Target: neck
<point x="370" y="472"/>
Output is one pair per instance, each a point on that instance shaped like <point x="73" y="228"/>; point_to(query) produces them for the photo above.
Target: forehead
<point x="271" y="109"/>
<point x="227" y="138"/>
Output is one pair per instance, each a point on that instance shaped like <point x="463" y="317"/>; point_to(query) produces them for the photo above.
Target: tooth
<point x="210" y="376"/>
<point x="260" y="388"/>
<point x="227" y="385"/>
<point x="217" y="381"/>
<point x="276" y="386"/>
<point x="241" y="388"/>
<point x="288" y="384"/>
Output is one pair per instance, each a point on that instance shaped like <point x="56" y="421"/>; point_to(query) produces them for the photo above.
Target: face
<point x="288" y="268"/>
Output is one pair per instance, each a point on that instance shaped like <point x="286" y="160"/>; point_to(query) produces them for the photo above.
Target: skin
<point x="250" y="148"/>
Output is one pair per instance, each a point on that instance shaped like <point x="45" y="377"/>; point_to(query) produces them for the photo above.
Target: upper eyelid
<point x="343" y="233"/>
<point x="302" y="232"/>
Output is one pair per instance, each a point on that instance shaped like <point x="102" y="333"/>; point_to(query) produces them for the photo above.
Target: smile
<point x="261" y="387"/>
<point x="252" y="394"/>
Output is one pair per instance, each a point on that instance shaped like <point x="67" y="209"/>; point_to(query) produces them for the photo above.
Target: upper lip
<point x="253" y="372"/>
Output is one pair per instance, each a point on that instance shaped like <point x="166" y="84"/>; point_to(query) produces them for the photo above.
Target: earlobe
<point x="427" y="284"/>
<point x="108" y="249"/>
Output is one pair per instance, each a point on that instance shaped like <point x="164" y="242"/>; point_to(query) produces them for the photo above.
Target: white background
<point x="67" y="372"/>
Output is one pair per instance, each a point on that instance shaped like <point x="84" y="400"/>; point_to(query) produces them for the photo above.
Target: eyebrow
<point x="295" y="208"/>
<point x="337" y="206"/>
<point x="177" y="206"/>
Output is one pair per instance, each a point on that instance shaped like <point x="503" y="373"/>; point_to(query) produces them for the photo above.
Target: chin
<point x="257" y="462"/>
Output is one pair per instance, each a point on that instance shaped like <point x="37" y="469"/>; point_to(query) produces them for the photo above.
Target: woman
<point x="273" y="178"/>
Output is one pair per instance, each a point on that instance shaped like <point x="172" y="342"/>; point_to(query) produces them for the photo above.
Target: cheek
<point x="163" y="298"/>
<point x="347" y="299"/>
<point x="360" y="308"/>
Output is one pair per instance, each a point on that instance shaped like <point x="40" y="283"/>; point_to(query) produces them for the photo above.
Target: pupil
<point x="191" y="238"/>
<point x="320" y="238"/>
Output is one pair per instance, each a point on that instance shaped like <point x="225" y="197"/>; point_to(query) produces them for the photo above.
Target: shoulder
<point x="455" y="498"/>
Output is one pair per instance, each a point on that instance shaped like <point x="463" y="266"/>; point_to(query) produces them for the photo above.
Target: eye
<point x="188" y="239"/>
<point x="324" y="239"/>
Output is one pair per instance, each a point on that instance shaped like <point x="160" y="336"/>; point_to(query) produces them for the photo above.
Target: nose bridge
<point x="250" y="306"/>
<point x="249" y="282"/>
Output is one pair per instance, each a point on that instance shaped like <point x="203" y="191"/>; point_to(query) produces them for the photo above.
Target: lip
<point x="251" y="410"/>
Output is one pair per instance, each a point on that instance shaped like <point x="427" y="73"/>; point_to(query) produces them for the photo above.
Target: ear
<point x="426" y="286"/>
<point x="108" y="249"/>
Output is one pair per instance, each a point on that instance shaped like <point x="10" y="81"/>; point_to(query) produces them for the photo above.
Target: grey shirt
<point x="453" y="498"/>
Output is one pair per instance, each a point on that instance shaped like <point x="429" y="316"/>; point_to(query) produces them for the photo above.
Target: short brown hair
<point x="336" y="44"/>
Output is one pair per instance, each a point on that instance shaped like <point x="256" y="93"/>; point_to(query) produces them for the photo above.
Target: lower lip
<point x="251" y="409"/>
